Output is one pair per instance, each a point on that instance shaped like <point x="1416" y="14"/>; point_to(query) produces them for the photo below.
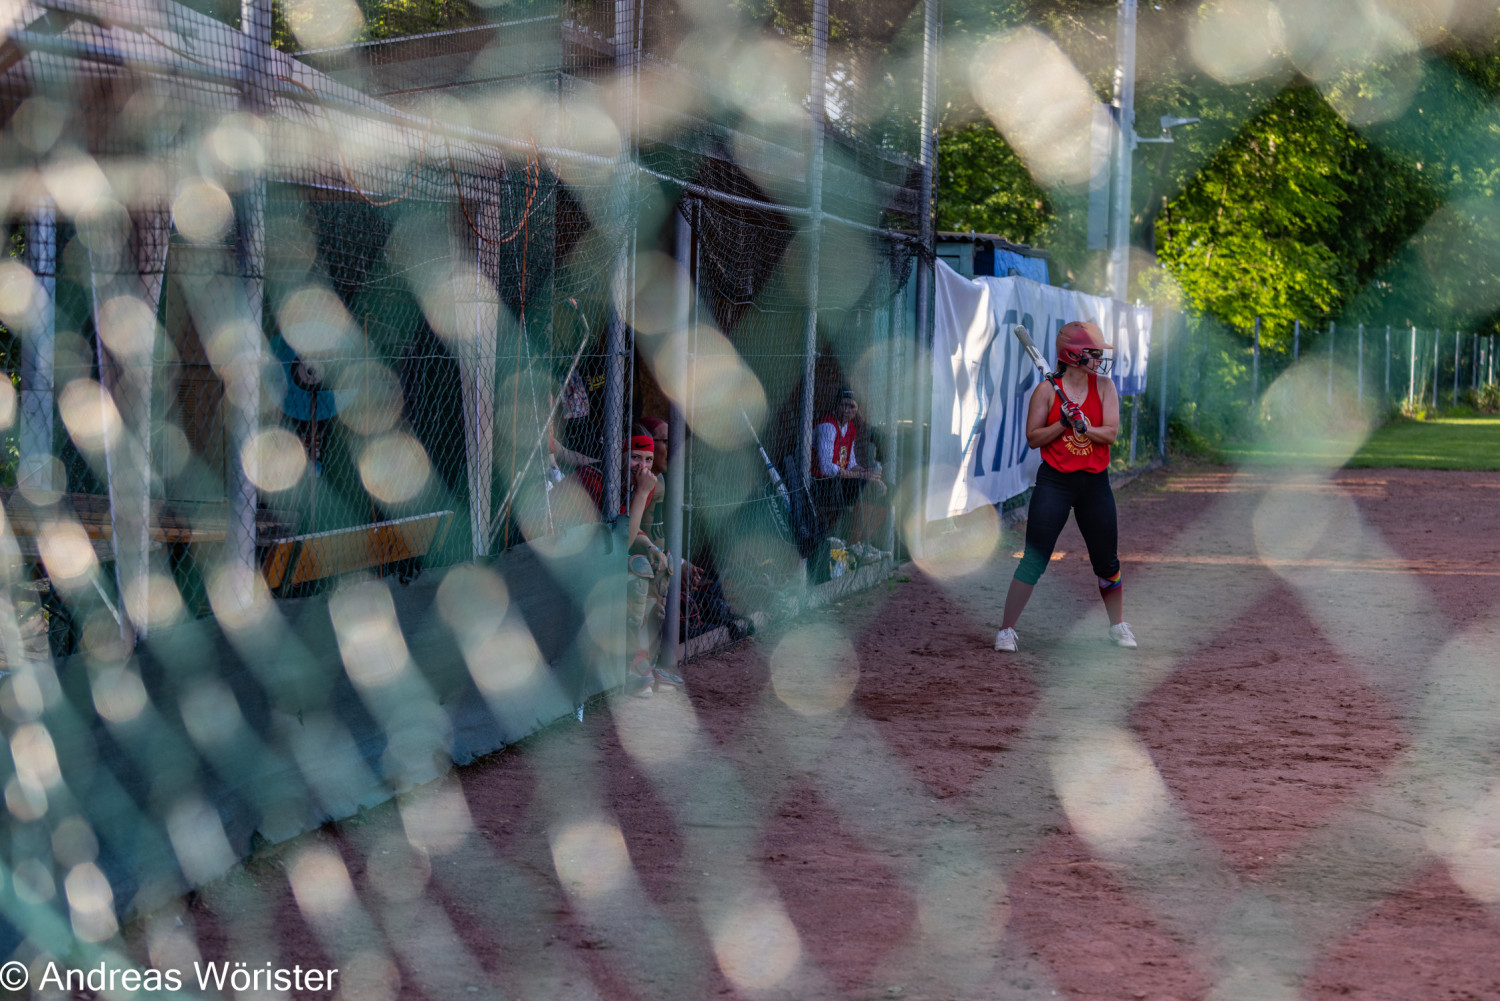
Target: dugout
<point x="302" y="354"/>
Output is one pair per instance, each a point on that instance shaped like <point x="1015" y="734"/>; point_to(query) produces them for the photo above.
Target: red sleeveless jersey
<point x="1072" y="452"/>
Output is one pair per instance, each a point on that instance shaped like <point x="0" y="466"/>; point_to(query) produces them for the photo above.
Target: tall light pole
<point x="1123" y="153"/>
<point x="1125" y="139"/>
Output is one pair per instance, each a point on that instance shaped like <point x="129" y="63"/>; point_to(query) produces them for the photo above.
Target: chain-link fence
<point x="1211" y="385"/>
<point x="335" y="380"/>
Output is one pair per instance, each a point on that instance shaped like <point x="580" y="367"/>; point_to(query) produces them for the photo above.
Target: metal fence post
<point x="1161" y="418"/>
<point x="1387" y="391"/>
<point x="1296" y="339"/>
<point x="242" y="389"/>
<point x="1135" y="419"/>
<point x="1411" y="378"/>
<point x="1457" y="342"/>
<point x="1437" y="340"/>
<point x="926" y="273"/>
<point x="1255" y="368"/>
<point x="885" y="317"/>
<point x="38" y="354"/>
<point x="1332" y="336"/>
<point x="1359" y="392"/>
<point x="677" y="433"/>
<point x="817" y="100"/>
<point x="1198" y="373"/>
<point x="627" y="73"/>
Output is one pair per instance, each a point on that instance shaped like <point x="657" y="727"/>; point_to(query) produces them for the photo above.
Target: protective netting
<point x="328" y="359"/>
<point x="756" y="516"/>
<point x="338" y="386"/>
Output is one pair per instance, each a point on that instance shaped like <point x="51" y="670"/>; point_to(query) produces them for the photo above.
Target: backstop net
<point x="328" y="342"/>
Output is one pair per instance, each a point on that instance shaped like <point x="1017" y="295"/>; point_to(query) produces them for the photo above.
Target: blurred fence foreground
<point x="324" y="370"/>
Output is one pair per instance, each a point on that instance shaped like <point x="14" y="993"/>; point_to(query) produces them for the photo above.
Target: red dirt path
<point x="1289" y="791"/>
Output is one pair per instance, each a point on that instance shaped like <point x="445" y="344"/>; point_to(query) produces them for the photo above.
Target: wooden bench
<point x="172" y="522"/>
<point x="292" y="563"/>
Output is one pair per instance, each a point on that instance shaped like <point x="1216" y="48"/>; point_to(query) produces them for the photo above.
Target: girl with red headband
<point x="650" y="571"/>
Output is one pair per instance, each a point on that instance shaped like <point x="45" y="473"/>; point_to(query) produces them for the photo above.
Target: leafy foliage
<point x="384" y="19"/>
<point x="1290" y="219"/>
<point x="985" y="187"/>
<point x="1366" y="195"/>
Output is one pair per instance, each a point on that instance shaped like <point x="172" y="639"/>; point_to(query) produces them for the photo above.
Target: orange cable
<point x="533" y="183"/>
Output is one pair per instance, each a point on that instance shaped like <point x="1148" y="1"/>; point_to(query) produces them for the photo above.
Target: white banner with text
<point x="982" y="379"/>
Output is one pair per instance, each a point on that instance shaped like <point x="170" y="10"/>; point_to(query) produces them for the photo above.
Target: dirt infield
<point x="1288" y="792"/>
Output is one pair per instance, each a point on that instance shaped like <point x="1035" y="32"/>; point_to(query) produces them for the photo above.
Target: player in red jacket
<point x="840" y="480"/>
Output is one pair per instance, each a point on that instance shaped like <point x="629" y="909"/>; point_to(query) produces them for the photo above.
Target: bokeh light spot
<point x="202" y="211"/>
<point x="1310" y="420"/>
<point x="153" y="600"/>
<point x="315" y="322"/>
<point x="659" y="732"/>
<point x="504" y="660"/>
<point x="21" y="295"/>
<point x="320" y="882"/>
<point x="1109" y="787"/>
<point x="199" y="841"/>
<point x="91" y="901"/>
<point x="88" y="410"/>
<point x="757" y="946"/>
<point x="66" y="551"/>
<point x="369" y="635"/>
<point x="394" y="468"/>
<point x="436" y="816"/>
<point x="369" y="397"/>
<point x="956" y="547"/>
<point x="273" y="459"/>
<point x="472" y="600"/>
<point x="119" y="694"/>
<point x="814" y="669"/>
<point x="590" y="858"/>
<point x="128" y="327"/>
<point x="1045" y="113"/>
<point x="1238" y="40"/>
<point x="211" y="713"/>
<point x="35" y="757"/>
<point x="321" y="24"/>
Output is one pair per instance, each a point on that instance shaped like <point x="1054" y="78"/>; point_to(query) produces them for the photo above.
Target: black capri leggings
<point x="1092" y="502"/>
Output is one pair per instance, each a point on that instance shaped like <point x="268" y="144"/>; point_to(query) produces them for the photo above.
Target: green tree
<point x="1362" y="196"/>
<point x="985" y="187"/>
<point x="1290" y="219"/>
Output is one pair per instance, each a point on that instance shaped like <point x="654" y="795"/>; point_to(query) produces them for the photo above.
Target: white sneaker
<point x="1120" y="635"/>
<point x="1005" y="640"/>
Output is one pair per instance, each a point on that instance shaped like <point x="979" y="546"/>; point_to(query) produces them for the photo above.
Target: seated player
<point x="650" y="566"/>
<point x="840" y="483"/>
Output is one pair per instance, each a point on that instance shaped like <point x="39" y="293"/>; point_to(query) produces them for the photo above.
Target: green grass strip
<point x="1459" y="442"/>
<point x="1436" y="443"/>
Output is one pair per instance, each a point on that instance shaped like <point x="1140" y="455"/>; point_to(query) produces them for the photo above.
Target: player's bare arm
<point x="1038" y="431"/>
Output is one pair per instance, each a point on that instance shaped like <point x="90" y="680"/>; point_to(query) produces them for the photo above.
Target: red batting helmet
<point x="1077" y="337"/>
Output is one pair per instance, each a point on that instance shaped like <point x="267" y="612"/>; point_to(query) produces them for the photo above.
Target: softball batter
<point x="1074" y="439"/>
